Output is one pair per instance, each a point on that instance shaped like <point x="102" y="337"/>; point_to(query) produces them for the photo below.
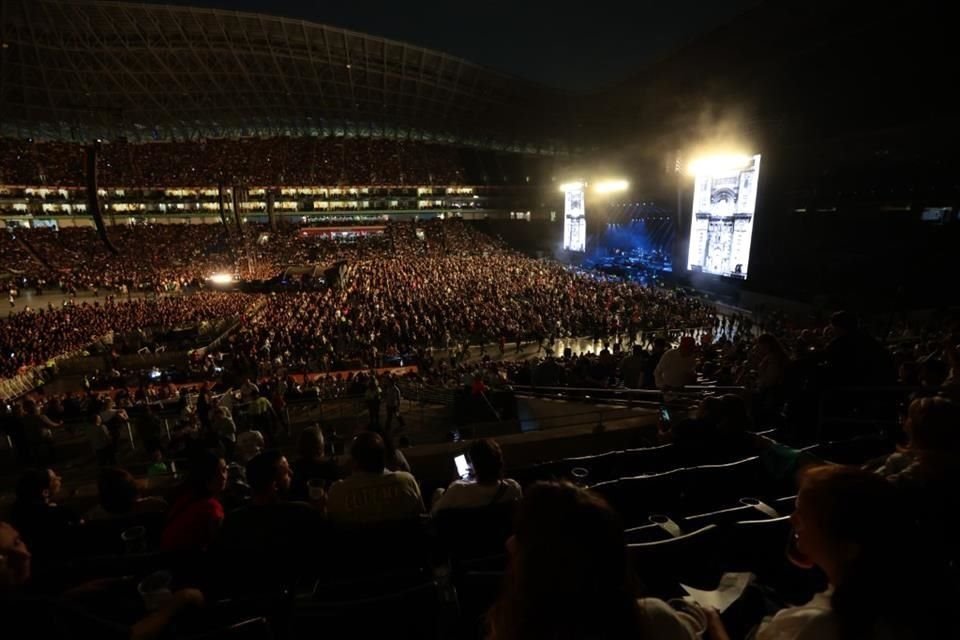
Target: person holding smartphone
<point x="486" y="487"/>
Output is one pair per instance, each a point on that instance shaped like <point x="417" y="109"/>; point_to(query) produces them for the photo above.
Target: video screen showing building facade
<point x="724" y="201"/>
<point x="574" y="221"/>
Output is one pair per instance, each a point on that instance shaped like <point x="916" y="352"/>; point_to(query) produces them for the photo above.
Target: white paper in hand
<point x="731" y="587"/>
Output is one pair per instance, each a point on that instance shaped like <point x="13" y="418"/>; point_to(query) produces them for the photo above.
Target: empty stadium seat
<point x="711" y="486"/>
<point x="354" y="552"/>
<point x="594" y="468"/>
<point x="368" y="611"/>
<point x="477" y="590"/>
<point x="632" y="462"/>
<point x="746" y="509"/>
<point x="252" y="629"/>
<point x="691" y="559"/>
<point x="857" y="450"/>
<point x="103" y="537"/>
<point x="475" y="533"/>
<point x="639" y="497"/>
<point x="660" y="528"/>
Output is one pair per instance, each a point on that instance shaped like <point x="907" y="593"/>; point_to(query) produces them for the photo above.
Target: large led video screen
<point x="724" y="201"/>
<point x="574" y="220"/>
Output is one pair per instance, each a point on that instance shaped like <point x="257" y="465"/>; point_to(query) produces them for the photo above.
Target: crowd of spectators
<point x="31" y="338"/>
<point x="263" y="162"/>
<point x="404" y="305"/>
<point x="166" y="257"/>
<point x="567" y="571"/>
<point x="568" y="545"/>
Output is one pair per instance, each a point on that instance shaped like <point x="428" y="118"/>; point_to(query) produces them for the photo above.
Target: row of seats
<point x="618" y="463"/>
<point x="611" y="465"/>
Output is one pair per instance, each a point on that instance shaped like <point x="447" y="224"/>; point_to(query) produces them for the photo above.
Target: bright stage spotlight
<point x="718" y="164"/>
<point x="571" y="186"/>
<point x="610" y="186"/>
<point x="221" y="278"/>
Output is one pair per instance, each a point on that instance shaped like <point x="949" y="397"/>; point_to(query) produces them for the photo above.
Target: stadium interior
<point x="309" y="332"/>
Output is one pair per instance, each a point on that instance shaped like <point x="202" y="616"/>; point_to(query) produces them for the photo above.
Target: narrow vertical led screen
<point x="574" y="220"/>
<point x="724" y="202"/>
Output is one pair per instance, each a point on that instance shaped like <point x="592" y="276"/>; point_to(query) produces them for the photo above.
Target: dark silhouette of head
<point x="487" y="459"/>
<point x="117" y="491"/>
<point x="843" y="323"/>
<point x="310" y="445"/>
<point x="569" y="575"/>
<point x="268" y="474"/>
<point x="369" y="452"/>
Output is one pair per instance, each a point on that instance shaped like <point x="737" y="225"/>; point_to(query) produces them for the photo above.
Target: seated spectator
<point x="42" y="523"/>
<point x="249" y="444"/>
<point x="719" y="432"/>
<point x="678" y="366"/>
<point x="488" y="487"/>
<point x="927" y="469"/>
<point x="312" y="465"/>
<point x="372" y="493"/>
<point x="119" y="497"/>
<point x="853" y="526"/>
<point x="772" y="368"/>
<point x="569" y="575"/>
<point x="932" y="452"/>
<point x="26" y="611"/>
<point x="270" y="521"/>
<point x="853" y="357"/>
<point x="196" y="514"/>
<point x="157" y="465"/>
<point x="396" y="461"/>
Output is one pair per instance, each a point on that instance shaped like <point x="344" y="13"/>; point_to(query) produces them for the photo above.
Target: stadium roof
<point x="85" y="69"/>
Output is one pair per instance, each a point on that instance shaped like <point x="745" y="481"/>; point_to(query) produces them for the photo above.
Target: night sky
<point x="578" y="50"/>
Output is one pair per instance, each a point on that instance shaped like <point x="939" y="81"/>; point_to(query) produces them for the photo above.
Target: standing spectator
<point x="631" y="368"/>
<point x="372" y="398"/>
<point x="102" y="443"/>
<point x="652" y="361"/>
<point x="38" y="432"/>
<point x="150" y="428"/>
<point x="225" y="429"/>
<point x="678" y="366"/>
<point x="115" y="420"/>
<point x="393" y="404"/>
<point x="264" y="417"/>
<point x="248" y="390"/>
